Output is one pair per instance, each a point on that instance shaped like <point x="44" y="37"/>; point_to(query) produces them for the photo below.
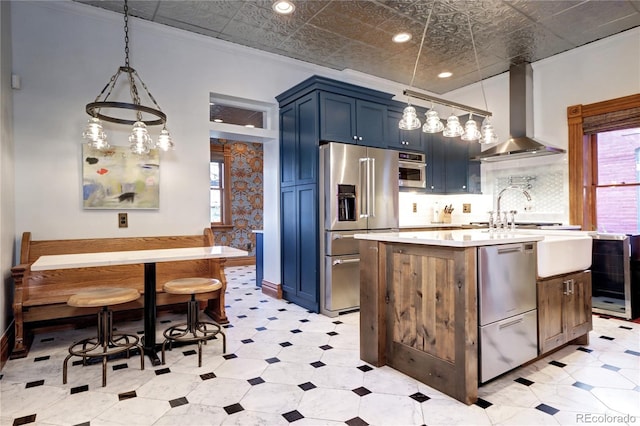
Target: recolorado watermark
<point x="598" y="418"/>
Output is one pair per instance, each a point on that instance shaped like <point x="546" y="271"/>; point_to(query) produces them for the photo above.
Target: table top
<point x="82" y="260"/>
<point x="454" y="238"/>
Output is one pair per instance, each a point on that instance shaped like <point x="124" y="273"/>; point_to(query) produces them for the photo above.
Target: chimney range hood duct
<point x="520" y="145"/>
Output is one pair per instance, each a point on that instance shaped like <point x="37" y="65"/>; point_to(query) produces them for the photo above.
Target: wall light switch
<point x="123" y="221"/>
<point x="466" y="208"/>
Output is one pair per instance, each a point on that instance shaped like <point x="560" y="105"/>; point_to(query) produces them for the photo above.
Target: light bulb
<point x="95" y="135"/>
<point x="487" y="133"/>
<point x="432" y="124"/>
<point x="409" y="119"/>
<point x="453" y="128"/>
<point x="165" y="142"/>
<point x="139" y="140"/>
<point x="471" y="132"/>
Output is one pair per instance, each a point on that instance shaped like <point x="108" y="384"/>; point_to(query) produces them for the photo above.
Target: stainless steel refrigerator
<point x="359" y="194"/>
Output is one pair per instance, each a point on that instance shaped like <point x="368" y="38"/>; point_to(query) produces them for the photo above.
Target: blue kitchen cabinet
<point x="475" y="183"/>
<point x="315" y="110"/>
<point x="298" y="142"/>
<point x="350" y="120"/>
<point x="299" y="245"/>
<point x="403" y="140"/>
<point x="456" y="165"/>
<point x="435" y="150"/>
<point x="449" y="169"/>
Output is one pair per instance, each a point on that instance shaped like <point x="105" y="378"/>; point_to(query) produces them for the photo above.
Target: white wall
<point x="65" y="52"/>
<point x="7" y="218"/>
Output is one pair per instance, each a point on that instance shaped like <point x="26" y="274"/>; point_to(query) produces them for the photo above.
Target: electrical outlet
<point x="123" y="221"/>
<point x="415" y="207"/>
<point x="466" y="208"/>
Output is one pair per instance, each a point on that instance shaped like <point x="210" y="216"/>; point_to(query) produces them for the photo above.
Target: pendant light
<point x="140" y="116"/>
<point x="410" y="119"/>
<point x="453" y="129"/>
<point x="471" y="132"/>
<point x="432" y="124"/>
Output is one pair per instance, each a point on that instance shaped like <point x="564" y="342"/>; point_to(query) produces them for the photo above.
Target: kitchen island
<point x="419" y="304"/>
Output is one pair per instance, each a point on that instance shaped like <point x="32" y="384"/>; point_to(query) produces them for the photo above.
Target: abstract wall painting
<point x="118" y="179"/>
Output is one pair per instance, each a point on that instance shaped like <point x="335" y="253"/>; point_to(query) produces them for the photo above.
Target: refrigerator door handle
<point x="364" y="187"/>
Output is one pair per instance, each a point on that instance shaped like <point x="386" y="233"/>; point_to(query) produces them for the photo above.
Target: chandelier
<point x="129" y="113"/>
<point x="453" y="128"/>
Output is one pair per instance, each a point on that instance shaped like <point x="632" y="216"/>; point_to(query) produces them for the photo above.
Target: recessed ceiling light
<point x="401" y="37"/>
<point x="283" y="7"/>
<point x="445" y="74"/>
<point x="217" y="120"/>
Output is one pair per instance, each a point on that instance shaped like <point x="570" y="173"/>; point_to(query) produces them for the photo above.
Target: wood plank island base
<point x="419" y="305"/>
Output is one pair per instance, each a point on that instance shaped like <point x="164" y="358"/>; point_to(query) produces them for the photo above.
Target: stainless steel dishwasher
<point x="507" y="314"/>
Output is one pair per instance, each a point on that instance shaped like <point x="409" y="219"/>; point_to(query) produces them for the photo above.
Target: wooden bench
<point x="40" y="297"/>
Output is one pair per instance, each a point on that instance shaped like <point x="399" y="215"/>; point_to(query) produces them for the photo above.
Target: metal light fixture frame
<point x="410" y="93"/>
<point x="94" y="108"/>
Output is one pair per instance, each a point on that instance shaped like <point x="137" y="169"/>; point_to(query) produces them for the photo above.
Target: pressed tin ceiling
<point x="356" y="34"/>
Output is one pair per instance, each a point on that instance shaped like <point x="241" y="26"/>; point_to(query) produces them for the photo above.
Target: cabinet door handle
<point x="568" y="287"/>
<point x="359" y="138"/>
<point x="355" y="138"/>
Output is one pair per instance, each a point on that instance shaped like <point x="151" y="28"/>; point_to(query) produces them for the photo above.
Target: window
<point x="586" y="122"/>
<point x="219" y="182"/>
<point x="617" y="187"/>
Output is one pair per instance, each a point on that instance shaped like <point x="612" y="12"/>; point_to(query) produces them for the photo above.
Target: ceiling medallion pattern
<point x="357" y="34"/>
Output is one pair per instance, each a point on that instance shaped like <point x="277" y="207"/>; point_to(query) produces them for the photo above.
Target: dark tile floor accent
<point x="420" y="397"/>
<point x="272" y="360"/>
<point x="558" y="364"/>
<point x="233" y="408"/>
<point x="607" y="337"/>
<point x="583" y="386"/>
<point x="34" y="384"/>
<point x="117" y="367"/>
<point x="255" y="381"/>
<point x="523" y="381"/>
<point x="547" y="409"/>
<point x="318" y="364"/>
<point x="292" y="416"/>
<point x="325" y="347"/>
<point x="584" y="350"/>
<point x="207" y="376"/>
<point x="630" y="352"/>
<point x="162" y="371"/>
<point x="127" y="395"/>
<point x="178" y="402"/>
<point x="79" y="389"/>
<point x="483" y="404"/>
<point x="365" y="368"/>
<point x="229" y="356"/>
<point x="24" y="420"/>
<point x="307" y="386"/>
<point x="611" y="367"/>
<point x="41" y="358"/>
<point x="356" y="421"/>
<point x="361" y="391"/>
<point x="285" y="344"/>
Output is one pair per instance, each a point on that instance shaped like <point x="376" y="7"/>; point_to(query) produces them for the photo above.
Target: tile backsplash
<point x="545" y="186"/>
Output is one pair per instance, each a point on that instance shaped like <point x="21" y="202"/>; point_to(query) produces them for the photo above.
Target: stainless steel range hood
<point x="520" y="145"/>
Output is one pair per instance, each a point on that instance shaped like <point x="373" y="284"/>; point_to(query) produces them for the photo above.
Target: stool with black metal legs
<point x="106" y="343"/>
<point x="193" y="330"/>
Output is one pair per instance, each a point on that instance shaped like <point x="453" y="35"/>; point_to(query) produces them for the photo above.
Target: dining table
<point x="147" y="257"/>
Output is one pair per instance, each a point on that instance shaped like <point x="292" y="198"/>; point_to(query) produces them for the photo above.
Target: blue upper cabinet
<point x="299" y="141"/>
<point x="350" y="120"/>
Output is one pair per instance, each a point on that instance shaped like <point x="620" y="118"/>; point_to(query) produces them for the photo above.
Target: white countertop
<point x="454" y="238"/>
<point x="81" y="260"/>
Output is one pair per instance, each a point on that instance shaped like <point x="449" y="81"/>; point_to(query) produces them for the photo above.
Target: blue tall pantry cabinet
<point x="314" y="110"/>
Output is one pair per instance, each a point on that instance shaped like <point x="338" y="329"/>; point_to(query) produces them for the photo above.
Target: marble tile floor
<point x="286" y="365"/>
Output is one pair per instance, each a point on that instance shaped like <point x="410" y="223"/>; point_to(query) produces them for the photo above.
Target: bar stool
<point x="193" y="330"/>
<point x="106" y="343"/>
